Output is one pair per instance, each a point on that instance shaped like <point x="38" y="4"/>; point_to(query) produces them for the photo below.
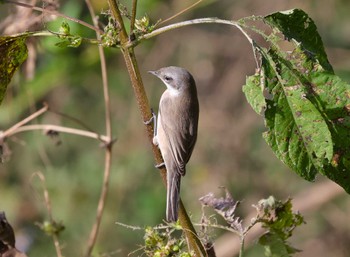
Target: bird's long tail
<point x="173" y="195"/>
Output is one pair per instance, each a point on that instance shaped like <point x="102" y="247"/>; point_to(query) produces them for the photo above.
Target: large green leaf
<point x="307" y="106"/>
<point x="13" y="53"/>
<point x="297" y="129"/>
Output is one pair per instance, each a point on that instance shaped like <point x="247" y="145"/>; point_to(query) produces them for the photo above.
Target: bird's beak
<point x="155" y="73"/>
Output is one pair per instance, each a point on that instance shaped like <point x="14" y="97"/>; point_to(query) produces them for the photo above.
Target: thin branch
<point x="193" y="22"/>
<point x="108" y="153"/>
<point x="48" y="33"/>
<point x="35" y="8"/>
<point x="133" y="15"/>
<point x="201" y="21"/>
<point x="31" y="117"/>
<point x="101" y="202"/>
<point x="181" y="12"/>
<point x="49" y="211"/>
<point x="73" y="119"/>
<point x="223" y="227"/>
<point x="49" y="127"/>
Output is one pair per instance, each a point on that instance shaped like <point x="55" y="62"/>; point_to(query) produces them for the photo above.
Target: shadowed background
<point x="230" y="150"/>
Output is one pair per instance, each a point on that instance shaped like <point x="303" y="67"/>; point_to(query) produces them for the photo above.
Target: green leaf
<point x="278" y="217"/>
<point x="298" y="131"/>
<point x="13" y="53"/>
<point x="296" y="24"/>
<point x="308" y="116"/>
<point x="280" y="221"/>
<point x="51" y="227"/>
<point x="307" y="107"/>
<point x="275" y="246"/>
<point x="71" y="41"/>
<point x="68" y="40"/>
<point x="254" y="93"/>
<point x="64" y="29"/>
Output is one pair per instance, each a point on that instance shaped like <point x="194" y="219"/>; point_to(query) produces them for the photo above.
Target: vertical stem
<point x="191" y="235"/>
<point x="101" y="202"/>
<point x="49" y="211"/>
<point x="241" y="249"/>
<point x="133" y="15"/>
<point x="108" y="154"/>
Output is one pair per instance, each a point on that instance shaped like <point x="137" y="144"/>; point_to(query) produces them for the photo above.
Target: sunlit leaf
<point x="307" y="105"/>
<point x="13" y="53"/>
<point x="70" y="41"/>
<point x="296" y="126"/>
<point x="64" y="29"/>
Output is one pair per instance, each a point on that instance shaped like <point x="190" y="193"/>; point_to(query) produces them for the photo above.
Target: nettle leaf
<point x="307" y="106"/>
<point x="308" y="117"/>
<point x="13" y="53"/>
<point x="297" y="25"/>
<point x="297" y="129"/>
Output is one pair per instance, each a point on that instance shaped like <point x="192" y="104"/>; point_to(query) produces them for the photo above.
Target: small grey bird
<point x="176" y="129"/>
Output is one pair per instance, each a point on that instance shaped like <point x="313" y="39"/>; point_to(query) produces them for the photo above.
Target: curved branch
<point x="193" y="22"/>
<point x="49" y="127"/>
<point x="15" y="127"/>
<point x="201" y="21"/>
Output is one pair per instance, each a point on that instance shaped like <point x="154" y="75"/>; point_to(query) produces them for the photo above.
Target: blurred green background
<point x="230" y="150"/>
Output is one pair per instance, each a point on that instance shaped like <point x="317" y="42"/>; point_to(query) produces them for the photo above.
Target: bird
<point x="176" y="129"/>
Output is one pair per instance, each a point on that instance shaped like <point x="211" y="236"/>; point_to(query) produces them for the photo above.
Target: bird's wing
<point x="180" y="134"/>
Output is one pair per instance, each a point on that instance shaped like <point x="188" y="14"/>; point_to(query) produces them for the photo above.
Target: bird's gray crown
<point x="175" y="77"/>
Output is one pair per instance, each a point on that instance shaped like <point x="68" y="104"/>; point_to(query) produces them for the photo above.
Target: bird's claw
<point x="160" y="165"/>
<point x="147" y="122"/>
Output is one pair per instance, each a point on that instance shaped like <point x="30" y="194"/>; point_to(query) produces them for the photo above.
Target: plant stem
<point x="31" y="117"/>
<point x="241" y="249"/>
<point x="108" y="149"/>
<point x="193" y="22"/>
<point x="201" y="21"/>
<point x="56" y="128"/>
<point x="133" y="15"/>
<point x="49" y="211"/>
<point x="181" y="12"/>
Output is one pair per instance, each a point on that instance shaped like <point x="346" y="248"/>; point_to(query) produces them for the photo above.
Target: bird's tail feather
<point x="173" y="195"/>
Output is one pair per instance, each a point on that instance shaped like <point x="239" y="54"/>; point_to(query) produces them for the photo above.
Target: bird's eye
<point x="167" y="78"/>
